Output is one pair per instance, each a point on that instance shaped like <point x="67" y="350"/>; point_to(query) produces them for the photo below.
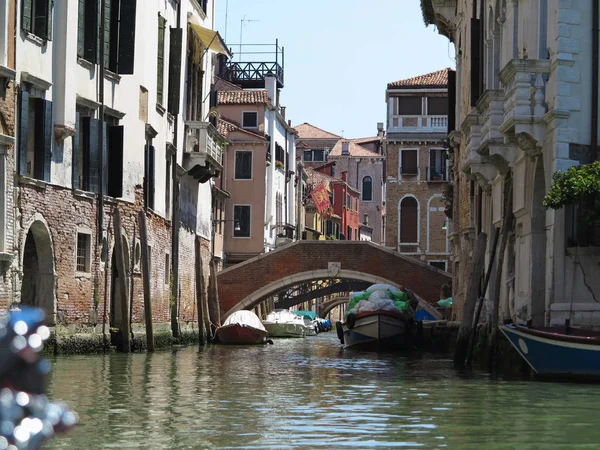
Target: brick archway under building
<point x="247" y="284"/>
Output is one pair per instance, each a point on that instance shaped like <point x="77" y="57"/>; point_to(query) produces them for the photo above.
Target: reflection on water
<point x="309" y="393"/>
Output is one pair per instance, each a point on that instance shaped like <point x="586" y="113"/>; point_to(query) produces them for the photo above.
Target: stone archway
<point x="538" y="247"/>
<point x="38" y="285"/>
<point x="116" y="317"/>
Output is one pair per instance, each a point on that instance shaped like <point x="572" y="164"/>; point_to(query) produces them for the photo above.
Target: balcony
<point x="419" y="124"/>
<point x="440" y="13"/>
<point x="255" y="63"/>
<point x="203" y="151"/>
<point x="437" y="174"/>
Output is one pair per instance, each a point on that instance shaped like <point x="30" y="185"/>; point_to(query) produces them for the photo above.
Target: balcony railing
<point x="437" y="174"/>
<point x="435" y="124"/>
<point x="203" y="150"/>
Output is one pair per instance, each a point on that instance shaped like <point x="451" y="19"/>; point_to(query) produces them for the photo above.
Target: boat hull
<point x="237" y="334"/>
<point x="378" y="330"/>
<point x="285" y="329"/>
<point x="556" y="355"/>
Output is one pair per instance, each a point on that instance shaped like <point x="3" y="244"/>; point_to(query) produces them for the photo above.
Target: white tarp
<point x="244" y="317"/>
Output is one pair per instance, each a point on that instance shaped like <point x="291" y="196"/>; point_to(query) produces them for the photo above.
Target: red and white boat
<point x="242" y="328"/>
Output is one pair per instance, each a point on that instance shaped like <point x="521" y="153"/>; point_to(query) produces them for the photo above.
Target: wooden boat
<point x="377" y="330"/>
<point x="552" y="352"/>
<point x="242" y="328"/>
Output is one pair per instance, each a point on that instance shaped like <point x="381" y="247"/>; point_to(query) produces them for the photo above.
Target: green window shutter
<point x="107" y="30"/>
<point x="88" y="30"/>
<point x="94" y="155"/>
<point x="126" y="50"/>
<point x="23" y="132"/>
<point x="160" y="70"/>
<point x="105" y="150"/>
<point x="49" y="11"/>
<point x="152" y="178"/>
<point x="175" y="50"/>
<point x="115" y="170"/>
<point x="81" y="16"/>
<point x="75" y="163"/>
<point x="26" y="13"/>
<point x="48" y="138"/>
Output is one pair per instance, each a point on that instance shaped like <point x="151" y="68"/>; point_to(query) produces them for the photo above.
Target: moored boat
<point x="552" y="352"/>
<point x="242" y="328"/>
<point x="377" y="330"/>
<point x="284" y="323"/>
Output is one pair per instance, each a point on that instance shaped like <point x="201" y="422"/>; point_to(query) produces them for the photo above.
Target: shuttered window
<point x="410" y="106"/>
<point x="409" y="162"/>
<point x="451" y="101"/>
<point x="36" y="136"/>
<point x="160" y="65"/>
<point x="175" y="50"/>
<point x="114" y="158"/>
<point x="149" y="175"/>
<point x="409" y="220"/>
<point x="367" y="189"/>
<point x="243" y="165"/>
<point x="87" y="30"/>
<point x="36" y="17"/>
<point x="119" y="35"/>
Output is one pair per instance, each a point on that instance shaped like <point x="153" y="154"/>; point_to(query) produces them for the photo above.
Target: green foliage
<point x="96" y="292"/>
<point x="448" y="198"/>
<point x="331" y="237"/>
<point x="579" y="185"/>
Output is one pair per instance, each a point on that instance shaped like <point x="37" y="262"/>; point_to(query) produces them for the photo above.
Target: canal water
<point x="311" y="393"/>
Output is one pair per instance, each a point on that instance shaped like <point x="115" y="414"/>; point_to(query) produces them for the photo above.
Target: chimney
<point x="380" y="129"/>
<point x="271" y="88"/>
<point x="345" y="176"/>
<point x="345" y="148"/>
<point x="283" y="112"/>
<point x="366" y="222"/>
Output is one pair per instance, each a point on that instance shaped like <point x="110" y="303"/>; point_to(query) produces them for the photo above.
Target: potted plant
<point x="279" y="165"/>
<point x="448" y="198"/>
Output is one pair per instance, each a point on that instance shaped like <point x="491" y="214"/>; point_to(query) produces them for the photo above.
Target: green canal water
<point x="310" y="393"/>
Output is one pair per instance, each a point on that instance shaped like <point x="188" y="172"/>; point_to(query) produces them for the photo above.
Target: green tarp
<point x="309" y="314"/>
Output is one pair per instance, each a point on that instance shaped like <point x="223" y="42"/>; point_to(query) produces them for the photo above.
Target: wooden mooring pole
<point x="122" y="284"/>
<point x="477" y="264"/>
<point x="146" y="281"/>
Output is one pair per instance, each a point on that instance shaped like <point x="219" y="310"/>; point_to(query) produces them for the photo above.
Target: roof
<point x="308" y="131"/>
<point x="433" y="80"/>
<point x="224" y="128"/>
<point x="242" y="97"/>
<point x="354" y="149"/>
<point x="315" y="177"/>
<point x="366" y="139"/>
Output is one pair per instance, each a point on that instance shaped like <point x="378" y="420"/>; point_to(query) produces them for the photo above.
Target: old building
<point x="417" y="171"/>
<point x="8" y="270"/>
<point x="260" y="169"/>
<point x="526" y="107"/>
<point x="113" y="115"/>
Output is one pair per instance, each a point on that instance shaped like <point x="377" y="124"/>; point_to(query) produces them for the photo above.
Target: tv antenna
<point x="243" y="22"/>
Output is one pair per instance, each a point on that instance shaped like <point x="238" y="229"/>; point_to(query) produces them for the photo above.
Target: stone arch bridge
<point x="247" y="284"/>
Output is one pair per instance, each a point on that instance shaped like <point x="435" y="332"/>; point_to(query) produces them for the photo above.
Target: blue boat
<point x="556" y="352"/>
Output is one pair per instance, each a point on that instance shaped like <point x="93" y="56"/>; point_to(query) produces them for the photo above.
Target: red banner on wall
<point x="320" y="197"/>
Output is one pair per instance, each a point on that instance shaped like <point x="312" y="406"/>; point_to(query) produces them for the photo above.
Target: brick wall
<point x="242" y="280"/>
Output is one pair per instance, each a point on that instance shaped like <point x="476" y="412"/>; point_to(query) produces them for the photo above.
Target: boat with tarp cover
<point x="242" y="328"/>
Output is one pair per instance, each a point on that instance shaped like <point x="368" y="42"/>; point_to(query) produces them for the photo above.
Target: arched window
<point x="409" y="220"/>
<point x="367" y="189"/>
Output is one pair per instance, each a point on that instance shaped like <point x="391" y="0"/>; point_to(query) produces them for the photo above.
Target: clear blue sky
<point x="339" y="55"/>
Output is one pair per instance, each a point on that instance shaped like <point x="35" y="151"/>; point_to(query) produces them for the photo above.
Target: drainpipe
<point x="285" y="170"/>
<point x="595" y="30"/>
<point x="101" y="118"/>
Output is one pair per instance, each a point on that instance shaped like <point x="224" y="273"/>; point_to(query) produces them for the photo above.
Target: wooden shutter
<point x="160" y="60"/>
<point x="23" y="132"/>
<point x="409" y="162"/>
<point x="26" y="13"/>
<point x="451" y="101"/>
<point x="48" y="131"/>
<point x="94" y="156"/>
<point x="151" y="176"/>
<point x="126" y="50"/>
<point x="408" y="220"/>
<point x="115" y="170"/>
<point x="81" y="18"/>
<point x="105" y="150"/>
<point x="475" y="61"/>
<point x="107" y="30"/>
<point x="88" y="30"/>
<point x="75" y="163"/>
<point x="49" y="8"/>
<point x="175" y="50"/>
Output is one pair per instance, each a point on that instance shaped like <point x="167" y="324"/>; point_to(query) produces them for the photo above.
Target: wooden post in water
<point x="122" y="284"/>
<point x="477" y="264"/>
<point x="213" y="274"/>
<point x="146" y="281"/>
<point x="199" y="287"/>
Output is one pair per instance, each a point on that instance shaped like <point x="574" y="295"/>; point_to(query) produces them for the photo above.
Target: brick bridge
<point x="247" y="284"/>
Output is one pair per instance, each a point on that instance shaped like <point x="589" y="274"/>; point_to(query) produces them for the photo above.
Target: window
<point x="241" y="219"/>
<point x="438" y="264"/>
<point x="87" y="30"/>
<point x="348" y="202"/>
<point x="81" y="150"/>
<point x="36" y="136"/>
<point x="168" y="185"/>
<point x="175" y="54"/>
<point x="437" y="165"/>
<point x="194" y="78"/>
<point x="279" y="153"/>
<point x="409" y="106"/>
<point x="167" y="279"/>
<point x="119" y="35"/>
<point x="308" y="155"/>
<point x="249" y="119"/>
<point x="84" y="245"/>
<point x="409" y="220"/>
<point x="278" y="208"/>
<point x="367" y="189"/>
<point x="160" y="69"/>
<point x="149" y="175"/>
<point x="37" y="18"/>
<point x="349" y="233"/>
<point x="243" y="165"/>
<point x="437" y="106"/>
<point x="409" y="165"/>
<point x="318" y="155"/>
<point x="356" y="234"/>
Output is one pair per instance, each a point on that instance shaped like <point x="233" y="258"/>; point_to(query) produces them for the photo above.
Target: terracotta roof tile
<point x="224" y="128"/>
<point x="244" y="97"/>
<point x="431" y="80"/>
<point x="308" y="131"/>
<point x="366" y="139"/>
<point x="354" y="149"/>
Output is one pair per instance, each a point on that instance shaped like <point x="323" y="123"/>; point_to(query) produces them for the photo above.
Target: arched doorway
<point x="538" y="248"/>
<point x="38" y="286"/>
<point x="116" y="316"/>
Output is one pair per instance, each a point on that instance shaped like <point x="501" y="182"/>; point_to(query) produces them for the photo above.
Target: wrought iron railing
<point x="437" y="173"/>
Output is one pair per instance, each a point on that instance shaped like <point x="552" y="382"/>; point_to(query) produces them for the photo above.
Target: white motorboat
<point x="284" y="323"/>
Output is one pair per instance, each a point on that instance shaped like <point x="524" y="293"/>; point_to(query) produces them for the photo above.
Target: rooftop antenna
<point x="226" y="14"/>
<point x="242" y="23"/>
